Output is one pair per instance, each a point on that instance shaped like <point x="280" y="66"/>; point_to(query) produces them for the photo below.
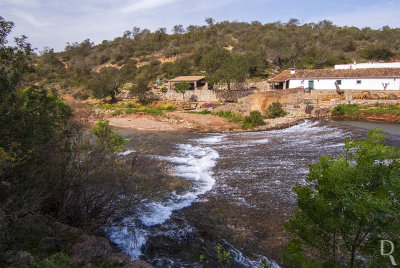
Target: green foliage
<point x="164" y="90"/>
<point x="348" y="205"/>
<point x="178" y="68"/>
<point x="105" y="133"/>
<point x="343" y="109"/>
<point x="15" y="60"/>
<point x="275" y="110"/>
<point x="231" y="116"/>
<point x="376" y="53"/>
<point x="356" y="110"/>
<point x="182" y="87"/>
<point x="106" y="83"/>
<point x="254" y="120"/>
<point x="223" y="67"/>
<point x="205" y="111"/>
<point x="57" y="260"/>
<point x="224" y="257"/>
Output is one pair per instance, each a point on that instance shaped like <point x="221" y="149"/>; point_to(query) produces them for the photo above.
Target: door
<point x="311" y="84"/>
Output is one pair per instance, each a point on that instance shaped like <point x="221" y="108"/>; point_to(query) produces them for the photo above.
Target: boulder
<point x="392" y="97"/>
<point x="16" y="258"/>
<point x="51" y="242"/>
<point x="90" y="248"/>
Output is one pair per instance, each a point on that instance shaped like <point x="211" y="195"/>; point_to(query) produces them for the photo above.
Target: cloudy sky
<point x="53" y="23"/>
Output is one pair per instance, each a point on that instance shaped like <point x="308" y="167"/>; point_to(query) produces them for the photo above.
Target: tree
<point x="14" y="60"/>
<point x="210" y="21"/>
<point x="141" y="87"/>
<point x="222" y="67"/>
<point x="106" y="83"/>
<point x="182" y="87"/>
<point x="348" y="205"/>
<point x="178" y="29"/>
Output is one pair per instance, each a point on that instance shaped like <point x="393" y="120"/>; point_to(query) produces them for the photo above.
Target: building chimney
<point x="292" y="71"/>
<point x="355" y="65"/>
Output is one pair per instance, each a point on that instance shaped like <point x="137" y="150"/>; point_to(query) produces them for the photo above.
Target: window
<point x="339" y="82"/>
<point x="358" y="82"/>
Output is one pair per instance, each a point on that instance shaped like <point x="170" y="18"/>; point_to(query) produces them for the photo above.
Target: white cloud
<point x="147" y="4"/>
<point x="30" y="19"/>
<point x="21" y="3"/>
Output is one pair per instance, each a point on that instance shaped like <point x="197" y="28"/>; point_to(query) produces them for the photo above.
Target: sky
<point x="53" y="23"/>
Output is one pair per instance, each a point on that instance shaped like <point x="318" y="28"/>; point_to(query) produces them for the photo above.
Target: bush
<point x="342" y="109"/>
<point x="164" y="89"/>
<point x="275" y="110"/>
<point x="168" y="107"/>
<point x="254" y="120"/>
<point x="232" y="117"/>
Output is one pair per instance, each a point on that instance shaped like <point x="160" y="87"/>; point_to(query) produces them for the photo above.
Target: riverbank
<point x="194" y="122"/>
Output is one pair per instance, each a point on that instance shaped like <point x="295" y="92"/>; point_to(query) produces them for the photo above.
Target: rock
<point x="392" y="97"/>
<point x="16" y="258"/>
<point x="90" y="248"/>
<point x="120" y="258"/>
<point x="3" y="219"/>
<point x="374" y="96"/>
<point x="138" y="264"/>
<point x="51" y="242"/>
<point x="59" y="227"/>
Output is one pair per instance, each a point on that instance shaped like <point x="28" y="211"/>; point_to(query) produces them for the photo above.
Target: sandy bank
<point x="183" y="121"/>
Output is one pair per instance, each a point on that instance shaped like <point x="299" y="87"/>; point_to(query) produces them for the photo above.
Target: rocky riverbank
<point x="33" y="240"/>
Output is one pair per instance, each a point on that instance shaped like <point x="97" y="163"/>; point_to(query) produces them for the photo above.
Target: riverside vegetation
<point x="55" y="167"/>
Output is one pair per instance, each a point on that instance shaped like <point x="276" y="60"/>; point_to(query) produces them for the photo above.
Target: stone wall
<point x="206" y="95"/>
<point x="190" y="95"/>
<point x="261" y="101"/>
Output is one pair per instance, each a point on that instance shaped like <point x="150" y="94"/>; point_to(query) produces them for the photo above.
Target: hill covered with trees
<point x="248" y="50"/>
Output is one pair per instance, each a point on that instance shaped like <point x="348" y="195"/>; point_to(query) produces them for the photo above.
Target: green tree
<point x="141" y="87"/>
<point x="14" y="60"/>
<point x="348" y="205"/>
<point x="182" y="87"/>
<point x="223" y="67"/>
<point x="106" y="83"/>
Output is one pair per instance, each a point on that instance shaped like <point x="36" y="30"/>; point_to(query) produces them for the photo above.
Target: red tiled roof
<point x="335" y="73"/>
<point x="187" y="78"/>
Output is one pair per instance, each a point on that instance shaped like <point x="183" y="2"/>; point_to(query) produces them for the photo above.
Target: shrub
<point x="275" y="110"/>
<point x="342" y="109"/>
<point x="164" y="89"/>
<point x="116" y="113"/>
<point x="168" y="107"/>
<point x="254" y="120"/>
<point x="205" y="112"/>
<point x="232" y="117"/>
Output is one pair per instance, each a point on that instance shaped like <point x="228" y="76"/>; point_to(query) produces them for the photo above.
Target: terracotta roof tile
<point x="187" y="78"/>
<point x="336" y="73"/>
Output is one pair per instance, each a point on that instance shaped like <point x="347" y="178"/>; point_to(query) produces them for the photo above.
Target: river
<point x="240" y="192"/>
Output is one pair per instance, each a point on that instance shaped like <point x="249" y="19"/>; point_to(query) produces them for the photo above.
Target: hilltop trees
<point x="223" y="67"/>
<point x="347" y="207"/>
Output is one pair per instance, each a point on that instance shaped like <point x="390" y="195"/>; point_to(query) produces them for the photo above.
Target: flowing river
<point x="240" y="193"/>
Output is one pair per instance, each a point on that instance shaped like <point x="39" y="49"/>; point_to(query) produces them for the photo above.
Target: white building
<point x="368" y="65"/>
<point x="344" y="79"/>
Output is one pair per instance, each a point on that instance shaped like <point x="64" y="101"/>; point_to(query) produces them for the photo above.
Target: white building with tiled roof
<point x="343" y="79"/>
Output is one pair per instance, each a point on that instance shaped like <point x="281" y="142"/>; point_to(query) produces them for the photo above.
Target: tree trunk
<point x="229" y="86"/>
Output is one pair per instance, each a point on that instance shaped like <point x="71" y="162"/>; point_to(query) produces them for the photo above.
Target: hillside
<point x="254" y="50"/>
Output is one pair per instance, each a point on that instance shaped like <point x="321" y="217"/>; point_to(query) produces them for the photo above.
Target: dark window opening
<point x="358" y="81"/>
<point x="339" y="82"/>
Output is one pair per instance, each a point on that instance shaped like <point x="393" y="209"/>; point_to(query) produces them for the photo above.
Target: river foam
<point x="193" y="161"/>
